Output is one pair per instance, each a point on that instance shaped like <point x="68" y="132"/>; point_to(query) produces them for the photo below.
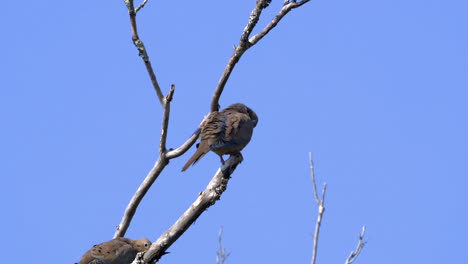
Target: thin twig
<point x="141" y="6"/>
<point x="354" y="254"/>
<point x="138" y="196"/>
<point x="284" y="10"/>
<point x="174" y="153"/>
<point x="245" y="43"/>
<point x="158" y="167"/>
<point x="311" y="162"/>
<point x="142" y="50"/>
<point x="321" y="208"/>
<point x="165" y="122"/>
<point x="221" y="254"/>
<point x="207" y="198"/>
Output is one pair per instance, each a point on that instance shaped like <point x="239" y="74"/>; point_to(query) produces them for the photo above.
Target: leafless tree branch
<point x="207" y="198"/>
<point x="152" y="175"/>
<point x="288" y="6"/>
<point x="141" y="6"/>
<point x="174" y="153"/>
<point x="221" y="254"/>
<point x="141" y="48"/>
<point x="321" y="208"/>
<point x="354" y="254"/>
<point x="218" y="184"/>
<point x="165" y="122"/>
<point x="164" y="155"/>
<point x="245" y="43"/>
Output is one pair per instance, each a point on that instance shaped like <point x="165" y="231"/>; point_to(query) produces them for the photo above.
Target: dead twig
<point x="141" y="48"/>
<point x="141" y="6"/>
<point x="354" y="254"/>
<point x="153" y="174"/>
<point x="321" y="208"/>
<point x="221" y="254"/>
<point x="245" y="43"/>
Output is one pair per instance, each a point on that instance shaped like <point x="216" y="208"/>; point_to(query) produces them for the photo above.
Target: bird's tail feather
<point x="194" y="159"/>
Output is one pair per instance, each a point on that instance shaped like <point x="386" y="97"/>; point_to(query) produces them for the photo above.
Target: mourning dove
<point x="225" y="132"/>
<point x="116" y="251"/>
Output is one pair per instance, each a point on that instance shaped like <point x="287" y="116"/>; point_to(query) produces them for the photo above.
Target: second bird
<point x="225" y="132"/>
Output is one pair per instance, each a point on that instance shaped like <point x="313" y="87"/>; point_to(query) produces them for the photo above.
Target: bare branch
<point x="221" y="254"/>
<point x="152" y="175"/>
<point x="171" y="154"/>
<point x="165" y="122"/>
<point x="312" y="173"/>
<point x="141" y="6"/>
<point x="142" y="50"/>
<point x="138" y="196"/>
<point x="354" y="254"/>
<point x="245" y="43"/>
<point x="208" y="197"/>
<point x="321" y="208"/>
<point x="286" y="8"/>
<point x="219" y="182"/>
<point x="148" y="182"/>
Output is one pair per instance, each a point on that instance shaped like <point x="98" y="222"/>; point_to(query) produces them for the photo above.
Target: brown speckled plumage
<point x="225" y="132"/>
<point x="116" y="251"/>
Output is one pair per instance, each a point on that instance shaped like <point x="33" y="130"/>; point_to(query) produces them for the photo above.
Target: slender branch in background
<point x="245" y="43"/>
<point x="354" y="254"/>
<point x="221" y="254"/>
<point x="321" y="208"/>
<point x="141" y="48"/>
<point x="207" y="198"/>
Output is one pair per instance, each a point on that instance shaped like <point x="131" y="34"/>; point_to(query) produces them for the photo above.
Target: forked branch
<point x="221" y="254"/>
<point x="160" y="164"/>
<point x="321" y="208"/>
<point x="245" y="43"/>
<point x="219" y="182"/>
<point x="354" y="254"/>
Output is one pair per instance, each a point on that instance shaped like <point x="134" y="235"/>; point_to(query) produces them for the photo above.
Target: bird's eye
<point x="146" y="244"/>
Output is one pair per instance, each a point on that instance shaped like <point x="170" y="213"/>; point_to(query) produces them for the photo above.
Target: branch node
<point x="170" y="94"/>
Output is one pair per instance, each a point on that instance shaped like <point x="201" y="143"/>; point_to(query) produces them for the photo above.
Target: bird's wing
<point x="237" y="132"/>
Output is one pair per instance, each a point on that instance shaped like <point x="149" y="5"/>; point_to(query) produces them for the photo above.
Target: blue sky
<point x="377" y="90"/>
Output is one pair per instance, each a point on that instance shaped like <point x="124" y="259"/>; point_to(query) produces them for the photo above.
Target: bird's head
<point x="253" y="116"/>
<point x="142" y="244"/>
<point x="241" y="108"/>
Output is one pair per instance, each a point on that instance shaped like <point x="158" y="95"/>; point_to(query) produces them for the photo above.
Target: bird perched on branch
<point x="225" y="132"/>
<point x="116" y="251"/>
